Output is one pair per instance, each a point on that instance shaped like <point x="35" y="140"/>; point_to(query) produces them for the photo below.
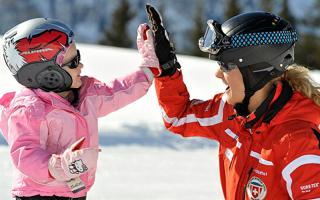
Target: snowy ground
<point x="144" y="173"/>
<point x="139" y="161"/>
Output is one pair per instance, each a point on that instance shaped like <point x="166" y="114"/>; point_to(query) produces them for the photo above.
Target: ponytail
<point x="300" y="80"/>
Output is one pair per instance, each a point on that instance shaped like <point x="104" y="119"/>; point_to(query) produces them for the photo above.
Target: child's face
<point x="74" y="72"/>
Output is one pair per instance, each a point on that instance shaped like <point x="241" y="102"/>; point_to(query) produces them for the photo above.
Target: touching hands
<point x="73" y="162"/>
<point x="164" y="49"/>
<point x="145" y="44"/>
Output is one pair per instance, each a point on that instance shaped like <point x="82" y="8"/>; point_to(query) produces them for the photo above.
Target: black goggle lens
<point x="74" y="63"/>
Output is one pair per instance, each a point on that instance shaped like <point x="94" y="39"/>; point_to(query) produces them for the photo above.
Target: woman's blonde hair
<point x="299" y="78"/>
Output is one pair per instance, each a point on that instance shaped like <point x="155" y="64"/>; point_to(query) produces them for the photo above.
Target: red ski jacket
<point x="274" y="153"/>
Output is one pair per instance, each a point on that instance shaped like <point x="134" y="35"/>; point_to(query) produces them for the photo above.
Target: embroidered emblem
<point x="77" y="167"/>
<point x="256" y="189"/>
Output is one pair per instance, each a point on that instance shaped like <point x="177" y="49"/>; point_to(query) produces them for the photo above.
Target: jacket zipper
<point x="244" y="175"/>
<point x="245" y="186"/>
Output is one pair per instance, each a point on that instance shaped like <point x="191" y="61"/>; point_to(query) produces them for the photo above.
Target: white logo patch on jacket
<point x="256" y="189"/>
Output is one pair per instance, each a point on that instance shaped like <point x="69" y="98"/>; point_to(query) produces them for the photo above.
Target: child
<point x="51" y="125"/>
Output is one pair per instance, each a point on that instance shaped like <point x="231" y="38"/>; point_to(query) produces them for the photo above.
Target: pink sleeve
<point x="107" y="98"/>
<point x="24" y="141"/>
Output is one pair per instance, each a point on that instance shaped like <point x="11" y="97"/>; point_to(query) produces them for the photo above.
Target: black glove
<point x="163" y="47"/>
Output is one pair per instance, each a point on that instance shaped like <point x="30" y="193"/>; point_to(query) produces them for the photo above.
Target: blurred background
<point x="114" y="22"/>
<point x="140" y="159"/>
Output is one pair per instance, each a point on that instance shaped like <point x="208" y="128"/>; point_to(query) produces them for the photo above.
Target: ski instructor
<point x="266" y="121"/>
<point x="51" y="125"/>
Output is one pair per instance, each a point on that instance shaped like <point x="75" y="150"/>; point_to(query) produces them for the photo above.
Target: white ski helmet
<point x="34" y="50"/>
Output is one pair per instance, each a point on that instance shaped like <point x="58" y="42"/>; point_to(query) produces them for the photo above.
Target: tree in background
<point x="308" y="46"/>
<point x="15" y="11"/>
<point x="307" y="51"/>
<point x="197" y="30"/>
<point x="117" y="35"/>
<point x="286" y="12"/>
<point x="232" y="9"/>
<point x="267" y="5"/>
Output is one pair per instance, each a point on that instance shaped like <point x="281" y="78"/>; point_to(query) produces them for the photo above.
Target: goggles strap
<point x="263" y="38"/>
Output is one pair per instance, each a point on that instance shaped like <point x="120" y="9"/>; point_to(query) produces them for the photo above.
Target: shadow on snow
<point x="144" y="135"/>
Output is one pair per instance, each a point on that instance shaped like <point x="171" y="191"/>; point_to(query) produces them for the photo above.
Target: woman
<point x="51" y="125"/>
<point x="266" y="121"/>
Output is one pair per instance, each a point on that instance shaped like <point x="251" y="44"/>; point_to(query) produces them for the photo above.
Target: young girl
<point x="51" y="125"/>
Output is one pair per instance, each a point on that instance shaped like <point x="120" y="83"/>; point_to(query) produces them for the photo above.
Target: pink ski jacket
<point x="37" y="124"/>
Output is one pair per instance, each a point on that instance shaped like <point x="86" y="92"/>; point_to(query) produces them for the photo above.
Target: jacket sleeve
<point x="189" y="117"/>
<point x="28" y="154"/>
<point x="106" y="98"/>
<point x="301" y="164"/>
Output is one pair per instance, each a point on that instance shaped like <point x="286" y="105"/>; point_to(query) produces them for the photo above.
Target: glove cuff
<point x="169" y="68"/>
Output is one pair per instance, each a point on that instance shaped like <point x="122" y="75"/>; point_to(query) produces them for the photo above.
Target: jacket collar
<point x="279" y="96"/>
<point x="54" y="99"/>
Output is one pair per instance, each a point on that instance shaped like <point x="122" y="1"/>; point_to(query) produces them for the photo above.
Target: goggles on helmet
<point x="214" y="39"/>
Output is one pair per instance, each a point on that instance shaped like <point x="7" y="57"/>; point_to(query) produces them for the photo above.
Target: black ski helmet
<point x="260" y="44"/>
<point x="34" y="50"/>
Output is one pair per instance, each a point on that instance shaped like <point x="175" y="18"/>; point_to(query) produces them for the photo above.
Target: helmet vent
<point x="288" y="57"/>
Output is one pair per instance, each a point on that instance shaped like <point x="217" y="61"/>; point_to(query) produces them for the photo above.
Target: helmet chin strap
<point x="242" y="108"/>
<point x="252" y="87"/>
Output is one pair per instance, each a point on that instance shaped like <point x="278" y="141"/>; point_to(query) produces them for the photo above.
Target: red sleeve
<point x="301" y="171"/>
<point x="189" y="117"/>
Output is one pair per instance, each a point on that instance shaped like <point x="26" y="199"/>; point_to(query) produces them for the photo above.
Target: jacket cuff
<point x="148" y="73"/>
<point x="176" y="75"/>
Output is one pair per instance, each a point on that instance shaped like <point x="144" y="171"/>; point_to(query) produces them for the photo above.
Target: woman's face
<point x="233" y="79"/>
<point x="70" y="55"/>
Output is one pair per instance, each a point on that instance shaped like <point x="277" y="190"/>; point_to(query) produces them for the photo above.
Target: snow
<point x="107" y="63"/>
<point x="145" y="173"/>
<point x="112" y="62"/>
<point x="139" y="159"/>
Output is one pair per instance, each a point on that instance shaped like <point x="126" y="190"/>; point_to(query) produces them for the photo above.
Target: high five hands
<point x="164" y="49"/>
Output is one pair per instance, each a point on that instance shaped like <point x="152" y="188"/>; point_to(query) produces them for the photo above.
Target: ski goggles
<point x="214" y="39"/>
<point x="74" y="63"/>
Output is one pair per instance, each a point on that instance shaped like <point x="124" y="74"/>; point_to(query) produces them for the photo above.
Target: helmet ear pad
<point x="47" y="76"/>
